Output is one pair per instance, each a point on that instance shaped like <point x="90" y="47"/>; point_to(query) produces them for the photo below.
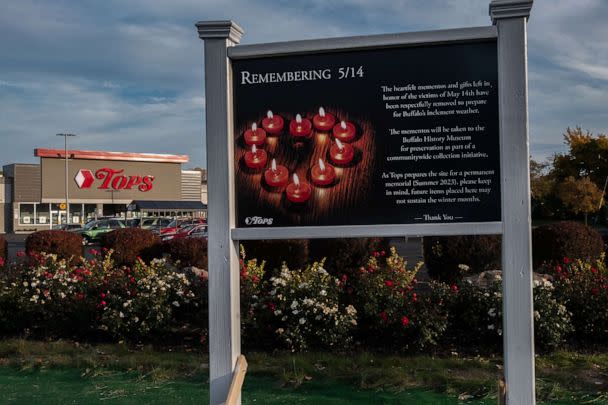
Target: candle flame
<point x="321" y="165"/>
<point x="269" y="114"/>
<point x="298" y="118"/>
<point x="296" y="180"/>
<point x="343" y="124"/>
<point x="254" y="150"/>
<point x="322" y="111"/>
<point x="340" y="146"/>
<point x="274" y="165"/>
<point x="254" y="127"/>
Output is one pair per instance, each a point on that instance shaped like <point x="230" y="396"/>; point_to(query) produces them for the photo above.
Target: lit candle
<point x="277" y="175"/>
<point x="322" y="174"/>
<point x="298" y="191"/>
<point x="255" y="135"/>
<point x="273" y="124"/>
<point x="345" y="131"/>
<point x="341" y="153"/>
<point x="255" y="158"/>
<point x="323" y="121"/>
<point x="300" y="127"/>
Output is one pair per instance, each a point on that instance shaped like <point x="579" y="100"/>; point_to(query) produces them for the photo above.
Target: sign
<point x="63" y="206"/>
<point x="109" y="180"/>
<point x="114" y="179"/>
<point x="375" y="136"/>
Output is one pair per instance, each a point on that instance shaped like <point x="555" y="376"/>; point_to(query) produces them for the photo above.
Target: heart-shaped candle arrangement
<point x="303" y="159"/>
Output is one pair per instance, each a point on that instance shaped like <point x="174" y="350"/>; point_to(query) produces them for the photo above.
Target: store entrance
<point x="58" y="217"/>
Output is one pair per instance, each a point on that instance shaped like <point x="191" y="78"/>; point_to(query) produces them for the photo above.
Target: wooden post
<point x="224" y="312"/>
<point x="510" y="18"/>
<point x="238" y="379"/>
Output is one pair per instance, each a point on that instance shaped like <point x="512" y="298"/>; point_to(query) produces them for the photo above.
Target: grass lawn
<point x="67" y="372"/>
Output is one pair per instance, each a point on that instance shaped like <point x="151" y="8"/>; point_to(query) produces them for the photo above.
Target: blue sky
<point x="128" y="75"/>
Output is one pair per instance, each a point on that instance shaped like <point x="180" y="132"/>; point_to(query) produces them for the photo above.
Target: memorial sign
<point x="399" y="135"/>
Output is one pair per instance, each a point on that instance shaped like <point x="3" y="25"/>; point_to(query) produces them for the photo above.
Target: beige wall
<point x="166" y="183"/>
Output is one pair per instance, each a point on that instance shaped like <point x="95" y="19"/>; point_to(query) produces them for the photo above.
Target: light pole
<point x="67" y="195"/>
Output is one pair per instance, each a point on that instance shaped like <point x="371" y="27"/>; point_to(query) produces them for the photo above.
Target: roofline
<point x="100" y="155"/>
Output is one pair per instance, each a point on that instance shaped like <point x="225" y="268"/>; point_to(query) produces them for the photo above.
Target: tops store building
<point x="99" y="184"/>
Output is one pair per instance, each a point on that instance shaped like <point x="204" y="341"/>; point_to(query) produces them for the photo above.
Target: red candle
<point x="255" y="158"/>
<point x="277" y="175"/>
<point x="345" y="131"/>
<point x="255" y="135"/>
<point x="300" y="127"/>
<point x="273" y="124"/>
<point x="298" y="192"/>
<point x="341" y="153"/>
<point x="323" y="121"/>
<point x="322" y="174"/>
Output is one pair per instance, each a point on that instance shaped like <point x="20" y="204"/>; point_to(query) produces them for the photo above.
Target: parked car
<point x="178" y="223"/>
<point x="92" y="231"/>
<point x="199" y="232"/>
<point x="185" y="232"/>
<point x="67" y="227"/>
<point x="155" y="223"/>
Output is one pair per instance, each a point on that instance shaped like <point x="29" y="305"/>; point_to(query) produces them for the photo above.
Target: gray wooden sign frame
<point x="221" y="38"/>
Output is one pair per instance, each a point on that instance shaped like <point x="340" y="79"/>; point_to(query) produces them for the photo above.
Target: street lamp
<point x="67" y="196"/>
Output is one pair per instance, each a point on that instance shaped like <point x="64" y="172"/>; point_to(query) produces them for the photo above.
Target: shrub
<point x="476" y="321"/>
<point x="391" y="312"/>
<point x="294" y="252"/>
<point x="52" y="296"/>
<point x="66" y="245"/>
<point x="188" y="251"/>
<point x="345" y="255"/>
<point x="256" y="320"/>
<point x="140" y="301"/>
<point x="3" y="250"/>
<point x="444" y="255"/>
<point x="305" y="311"/>
<point x="129" y="244"/>
<point x="582" y="286"/>
<point x="568" y="239"/>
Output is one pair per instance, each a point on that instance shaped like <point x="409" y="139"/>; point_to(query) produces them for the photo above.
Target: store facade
<point x="100" y="184"/>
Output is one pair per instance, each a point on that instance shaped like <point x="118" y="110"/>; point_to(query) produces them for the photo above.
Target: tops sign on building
<point x="110" y="176"/>
<point x="115" y="179"/>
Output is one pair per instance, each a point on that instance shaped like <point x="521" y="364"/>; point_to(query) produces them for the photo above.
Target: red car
<point x="178" y="224"/>
<point x="187" y="231"/>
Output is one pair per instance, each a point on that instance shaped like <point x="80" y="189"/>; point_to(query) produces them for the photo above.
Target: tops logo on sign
<point x="114" y="179"/>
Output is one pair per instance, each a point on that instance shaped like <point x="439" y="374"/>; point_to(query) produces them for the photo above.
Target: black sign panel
<point x="384" y="136"/>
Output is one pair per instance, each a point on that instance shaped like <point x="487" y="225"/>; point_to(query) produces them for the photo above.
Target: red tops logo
<point x="113" y="178"/>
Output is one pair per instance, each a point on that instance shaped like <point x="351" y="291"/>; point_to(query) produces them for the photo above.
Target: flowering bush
<point x="582" y="286"/>
<point x="136" y="301"/>
<point x="305" y="309"/>
<point x="393" y="312"/>
<point x="255" y="320"/>
<point x="552" y="242"/>
<point x="51" y="295"/>
<point x="476" y="315"/>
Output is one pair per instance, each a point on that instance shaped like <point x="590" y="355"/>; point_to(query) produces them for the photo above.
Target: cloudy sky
<point x="128" y="75"/>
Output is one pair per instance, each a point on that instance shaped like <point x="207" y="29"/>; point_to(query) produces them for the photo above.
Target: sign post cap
<point x="500" y="9"/>
<point x="220" y="29"/>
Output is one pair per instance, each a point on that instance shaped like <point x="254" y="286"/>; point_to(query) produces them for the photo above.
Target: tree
<point x="582" y="196"/>
<point x="587" y="157"/>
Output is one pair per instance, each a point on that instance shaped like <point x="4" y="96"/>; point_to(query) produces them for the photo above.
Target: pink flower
<point x="454" y="288"/>
<point x="103" y="303"/>
<point x="255" y="279"/>
<point x="1" y="261"/>
<point x="405" y="320"/>
<point x="566" y="260"/>
<point x="344" y="278"/>
<point x="594" y="270"/>
<point x="384" y="316"/>
<point x="389" y="283"/>
<point x="595" y="291"/>
<point x="94" y="252"/>
<point x="20" y="253"/>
